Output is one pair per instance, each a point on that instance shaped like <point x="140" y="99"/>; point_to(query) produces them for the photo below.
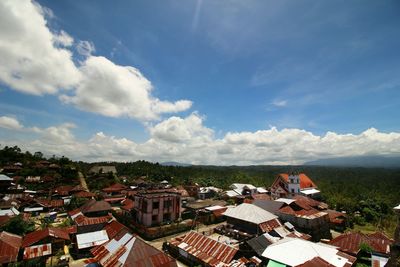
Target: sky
<point x="200" y="81"/>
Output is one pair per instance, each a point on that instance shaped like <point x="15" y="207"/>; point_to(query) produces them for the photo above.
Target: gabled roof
<point x="204" y="248"/>
<point x="9" y="247"/>
<point x="268" y="205"/>
<point x="295" y="251"/>
<point x="115" y="227"/>
<point x="95" y="206"/>
<point x="115" y="188"/>
<point x="350" y="242"/>
<point x="250" y="213"/>
<point x="128" y="250"/>
<point x="54" y="203"/>
<point x="36" y="236"/>
<point x="84" y="194"/>
<point x="305" y="181"/>
<point x="91" y="239"/>
<point x="81" y="220"/>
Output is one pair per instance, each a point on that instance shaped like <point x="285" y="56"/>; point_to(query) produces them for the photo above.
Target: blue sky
<point x="265" y="72"/>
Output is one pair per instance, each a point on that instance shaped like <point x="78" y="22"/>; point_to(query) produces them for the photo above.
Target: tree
<point x="18" y="226"/>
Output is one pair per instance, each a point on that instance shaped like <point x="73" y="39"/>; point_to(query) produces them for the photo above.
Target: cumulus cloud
<point x="37" y="61"/>
<point x="10" y="123"/>
<point x="189" y="140"/>
<point x="85" y="48"/>
<point x="113" y="90"/>
<point x="30" y="60"/>
<point x="63" y="39"/>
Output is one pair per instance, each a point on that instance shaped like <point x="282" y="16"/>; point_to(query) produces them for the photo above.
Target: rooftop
<point x="250" y="213"/>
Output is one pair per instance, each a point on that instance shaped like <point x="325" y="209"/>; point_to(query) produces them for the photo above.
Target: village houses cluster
<point x="282" y="224"/>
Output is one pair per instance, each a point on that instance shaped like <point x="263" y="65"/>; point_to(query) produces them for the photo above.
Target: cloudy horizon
<point x="200" y="87"/>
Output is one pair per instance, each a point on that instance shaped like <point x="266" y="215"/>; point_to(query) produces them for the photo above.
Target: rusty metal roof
<point x="36" y="236"/>
<point x="350" y="242"/>
<point x="205" y="249"/>
<point x="9" y="247"/>
<point x="37" y="251"/>
<point x="128" y="250"/>
<point x="83" y="220"/>
<point x="114" y="227"/>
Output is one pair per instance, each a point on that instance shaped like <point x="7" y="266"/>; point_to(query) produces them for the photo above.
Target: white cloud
<point x="10" y="123"/>
<point x="85" y="48"/>
<point x="279" y="103"/>
<point x="30" y="61"/>
<point x="115" y="91"/>
<point x="63" y="39"/>
<point x="189" y="140"/>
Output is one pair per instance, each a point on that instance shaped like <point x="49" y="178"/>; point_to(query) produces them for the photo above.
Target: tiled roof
<point x="350" y="242"/>
<point x="9" y="247"/>
<point x="305" y="181"/>
<point x="204" y="248"/>
<point x="36" y="236"/>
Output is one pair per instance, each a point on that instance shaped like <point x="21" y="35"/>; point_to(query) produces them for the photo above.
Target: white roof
<point x="231" y="193"/>
<point x="91" y="239"/>
<point x="241" y="186"/>
<point x="295" y="251"/>
<point x="216" y="207"/>
<point x="262" y="190"/>
<point x="9" y="212"/>
<point x="309" y="191"/>
<point x="33" y="209"/>
<point x="285" y="200"/>
<point x="397" y="207"/>
<point x="4" y="178"/>
<point x="249" y="213"/>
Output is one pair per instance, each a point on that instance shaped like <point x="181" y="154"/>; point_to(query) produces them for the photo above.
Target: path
<point x="82" y="181"/>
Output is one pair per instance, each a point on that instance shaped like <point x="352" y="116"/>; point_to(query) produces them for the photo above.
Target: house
<point x="307" y="215"/>
<point x="114" y="189"/>
<point x="192" y="189"/>
<point x="10" y="245"/>
<point x="286" y="185"/>
<point x="103" y="170"/>
<point x="251" y="219"/>
<point x="91" y="239"/>
<point x="5" y="182"/>
<point x="94" y="208"/>
<point x="299" y="252"/>
<point x="196" y="249"/>
<point x="154" y="207"/>
<point x="126" y="250"/>
<point x="337" y="220"/>
<point x="352" y="242"/>
<point x="44" y="242"/>
<point x="208" y="192"/>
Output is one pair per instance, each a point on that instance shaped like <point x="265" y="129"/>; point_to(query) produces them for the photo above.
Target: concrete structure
<point x="155" y="207"/>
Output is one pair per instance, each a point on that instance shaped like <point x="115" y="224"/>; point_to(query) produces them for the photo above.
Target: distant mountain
<point x="177" y="164"/>
<point x="359" y="161"/>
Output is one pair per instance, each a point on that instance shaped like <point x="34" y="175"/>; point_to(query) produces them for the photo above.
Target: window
<point x="167" y="204"/>
<point x="154" y="219"/>
<point x="144" y="205"/>
<point x="292" y="190"/>
<point x="156" y="205"/>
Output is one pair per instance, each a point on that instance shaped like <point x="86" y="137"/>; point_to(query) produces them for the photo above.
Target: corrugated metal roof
<point x="128" y="250"/>
<point x="205" y="249"/>
<point x="91" y="239"/>
<point x="295" y="251"/>
<point x="36" y="236"/>
<point x="9" y="247"/>
<point x="37" y="251"/>
<point x="250" y="213"/>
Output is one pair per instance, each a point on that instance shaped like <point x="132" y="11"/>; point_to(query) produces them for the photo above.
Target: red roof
<point x="114" y="188"/>
<point x="114" y="227"/>
<point x="36" y="236"/>
<point x="204" y="248"/>
<point x="336" y="217"/>
<point x="138" y="253"/>
<point x="269" y="225"/>
<point x="305" y="181"/>
<point x="83" y="220"/>
<point x="316" y="262"/>
<point x="95" y="206"/>
<point x="9" y="247"/>
<point x="63" y="190"/>
<point x="55" y="203"/>
<point x="350" y="242"/>
<point x="128" y="204"/>
<point x="84" y="194"/>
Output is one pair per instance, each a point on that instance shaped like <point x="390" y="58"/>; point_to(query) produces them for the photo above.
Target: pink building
<point x="155" y="207"/>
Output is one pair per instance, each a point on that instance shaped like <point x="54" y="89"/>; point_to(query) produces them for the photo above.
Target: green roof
<point x="272" y="263"/>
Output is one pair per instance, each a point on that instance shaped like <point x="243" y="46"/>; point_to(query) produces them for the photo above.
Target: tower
<point x="294" y="183"/>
